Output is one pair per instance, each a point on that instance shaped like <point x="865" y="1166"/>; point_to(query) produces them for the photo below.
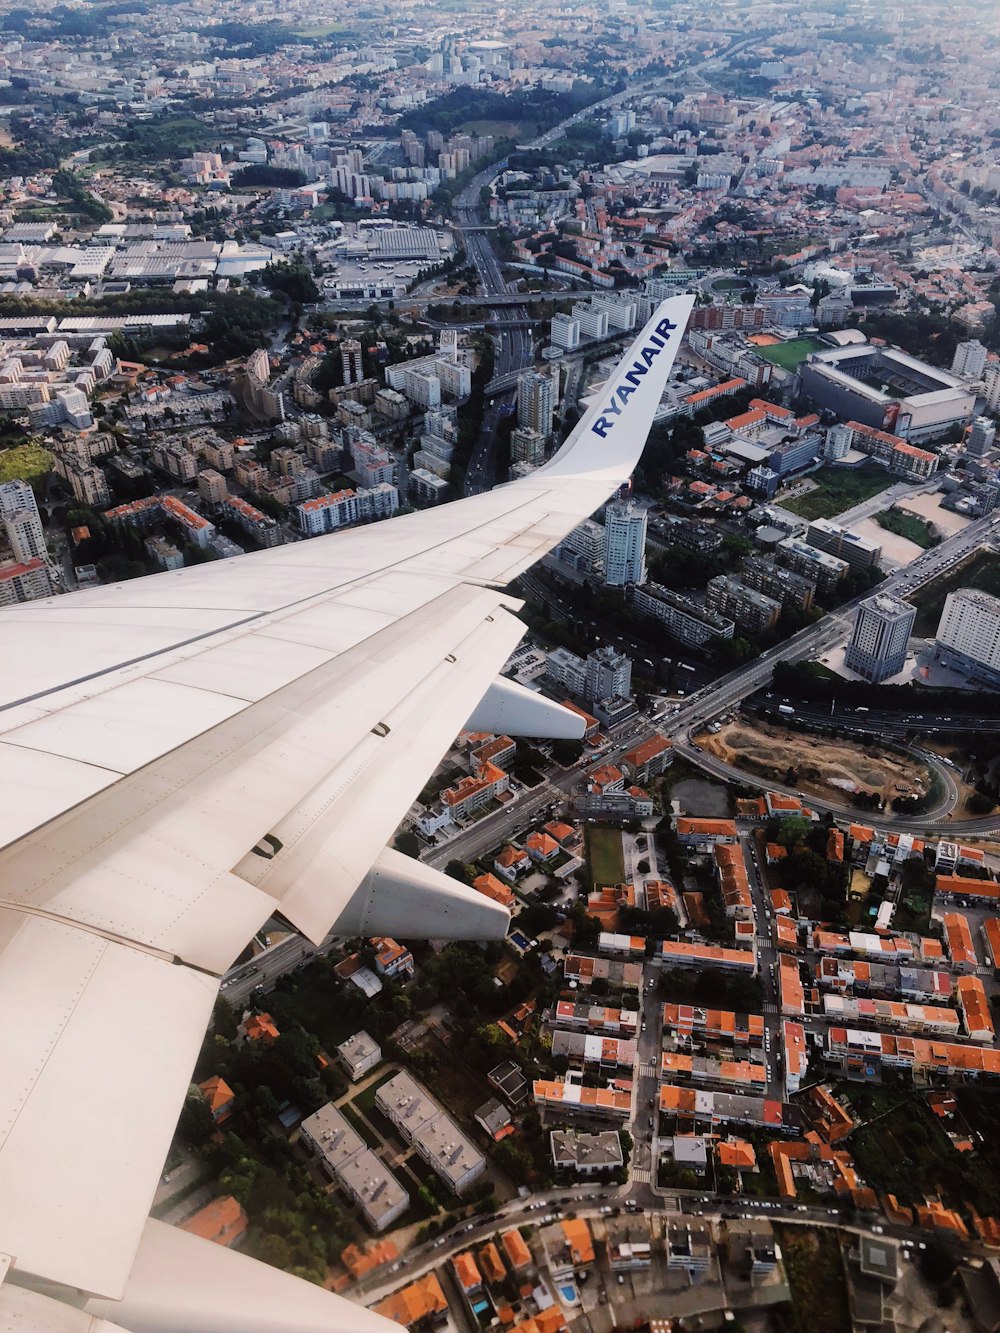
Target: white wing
<point x="185" y="755"/>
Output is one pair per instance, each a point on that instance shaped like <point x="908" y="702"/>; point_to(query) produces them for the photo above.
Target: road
<point x="816" y="639"/>
<point x="512" y="342"/>
<point x="510" y="331"/>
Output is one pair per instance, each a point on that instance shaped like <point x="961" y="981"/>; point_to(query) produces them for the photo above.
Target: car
<point x="621" y="1279"/>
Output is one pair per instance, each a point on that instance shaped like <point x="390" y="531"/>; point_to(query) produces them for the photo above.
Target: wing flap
<point x="317" y="869"/>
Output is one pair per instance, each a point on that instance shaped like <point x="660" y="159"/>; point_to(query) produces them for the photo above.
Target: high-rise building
<point x="991" y="378"/>
<point x="609" y="675"/>
<point x="565" y="332"/>
<point x="350" y="361"/>
<point x="838" y="442"/>
<point x="980" y="438"/>
<point x="535" y="402"/>
<point x="882" y="627"/>
<point x="527" y="446"/>
<point x="22" y="522"/>
<point x="968" y="635"/>
<point x="969" y="359"/>
<point x="624" y="544"/>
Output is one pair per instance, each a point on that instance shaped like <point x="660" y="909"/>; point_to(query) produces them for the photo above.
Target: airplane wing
<point x="183" y="756"/>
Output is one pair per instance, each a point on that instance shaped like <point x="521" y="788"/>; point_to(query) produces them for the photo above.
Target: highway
<point x="510" y="331"/>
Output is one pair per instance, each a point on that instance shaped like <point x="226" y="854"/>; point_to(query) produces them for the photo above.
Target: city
<point x="500" y="597"/>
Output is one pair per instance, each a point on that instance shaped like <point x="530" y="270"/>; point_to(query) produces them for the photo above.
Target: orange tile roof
<point x="218" y="1094"/>
<point x="561" y="832"/>
<point x="222" y="1221"/>
<point x="358" y="1262"/>
<point x="972" y="888"/>
<point x="511" y="856"/>
<point x="709" y="827"/>
<point x="419" y="1300"/>
<point x="648" y="749"/>
<point x="737" y="1153"/>
<point x="467" y="1270"/>
<point x="494" y="888"/>
<point x="579" y="1240"/>
<point x="541" y="844"/>
<point x="491" y="1264"/>
<point x="518" y="1254"/>
<point x="960" y="946"/>
<point x="260" y="1027"/>
<point x="975" y="1006"/>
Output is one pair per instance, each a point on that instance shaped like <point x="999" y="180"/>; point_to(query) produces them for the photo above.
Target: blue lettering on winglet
<point x="659" y="338"/>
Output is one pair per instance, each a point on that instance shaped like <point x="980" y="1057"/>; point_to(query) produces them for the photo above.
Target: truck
<point x="786" y="709"/>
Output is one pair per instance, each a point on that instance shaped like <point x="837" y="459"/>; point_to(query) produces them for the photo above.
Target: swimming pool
<point x="568" y="1293"/>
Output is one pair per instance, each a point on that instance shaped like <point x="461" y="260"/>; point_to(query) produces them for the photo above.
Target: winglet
<point x="608" y="442"/>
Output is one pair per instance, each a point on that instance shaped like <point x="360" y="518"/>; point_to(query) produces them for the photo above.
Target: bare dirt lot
<point x="826" y="767"/>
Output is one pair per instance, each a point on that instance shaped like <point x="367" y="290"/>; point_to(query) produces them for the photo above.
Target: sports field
<point x="789" y="355"/>
<point x="604" y="852"/>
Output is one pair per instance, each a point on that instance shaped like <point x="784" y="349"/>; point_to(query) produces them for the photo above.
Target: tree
<point x="196" y="1124"/>
<point x="407" y="843"/>
<point x="567" y="753"/>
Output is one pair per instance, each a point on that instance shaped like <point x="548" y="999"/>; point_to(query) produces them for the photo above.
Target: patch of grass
<point x="352" y="1117"/>
<point x="838" y="489"/>
<point x="982" y="571"/>
<point x="25" y="462"/>
<point x="816" y="1278"/>
<point x="365" y="1099"/>
<point x="914" y="529"/>
<point x="604" y="855"/>
<point x="791" y="354"/>
<point x="503" y="129"/>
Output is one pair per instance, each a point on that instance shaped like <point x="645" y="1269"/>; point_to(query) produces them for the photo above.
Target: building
<point x="349" y="1161"/>
<point x="684" y="620"/>
<point x="729" y="597"/>
<point x="359" y="1054"/>
<point x="422" y="1304"/>
<point x="968" y="634"/>
<point x="784" y="585"/>
<point x="22" y="522"/>
<point x="887" y="388"/>
<point x="585" y="1154"/>
<point x="352" y="369"/>
<point x="264" y="529"/>
<point x="25" y="581"/>
<point x="991" y="378"/>
<point x="436" y="1137"/>
<point x="690" y="1246"/>
<point x="565" y="332"/>
<point x="969" y="360"/>
<point x="535" y="402"/>
<point x="608" y="675"/>
<point x="327" y="513"/>
<point x="859" y="552"/>
<point x="980" y="438"/>
<point x="649" y="758"/>
<point x="882" y="625"/>
<point x="527" y="446"/>
<point x="222" y="1221"/>
<point x="807" y="559"/>
<point x="624" y="545"/>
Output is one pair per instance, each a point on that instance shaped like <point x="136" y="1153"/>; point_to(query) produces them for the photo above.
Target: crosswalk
<point x="763" y="941"/>
<point x="770" y="1008"/>
<point x="670" y="1202"/>
<point x="642" y="1175"/>
<point x="648" y="1069"/>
